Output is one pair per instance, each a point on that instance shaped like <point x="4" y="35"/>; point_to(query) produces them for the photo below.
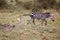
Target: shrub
<point x="46" y="3"/>
<point x="57" y="6"/>
<point x="35" y="9"/>
<point x="16" y="0"/>
<point x="27" y="5"/>
<point x="3" y="3"/>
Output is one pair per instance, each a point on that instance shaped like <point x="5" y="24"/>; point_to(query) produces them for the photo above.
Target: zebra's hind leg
<point x="44" y="21"/>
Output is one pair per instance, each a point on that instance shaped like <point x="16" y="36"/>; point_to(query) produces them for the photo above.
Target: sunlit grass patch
<point x="6" y="18"/>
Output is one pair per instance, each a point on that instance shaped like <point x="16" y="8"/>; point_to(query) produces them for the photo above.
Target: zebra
<point x="41" y="16"/>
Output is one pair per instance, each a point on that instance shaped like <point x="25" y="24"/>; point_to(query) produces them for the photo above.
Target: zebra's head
<point x="32" y="14"/>
<point x="52" y="17"/>
<point x="49" y="15"/>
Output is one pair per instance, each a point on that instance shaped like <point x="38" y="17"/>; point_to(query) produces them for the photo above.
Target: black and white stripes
<point x="41" y="16"/>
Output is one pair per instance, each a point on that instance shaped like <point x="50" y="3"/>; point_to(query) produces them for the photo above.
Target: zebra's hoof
<point x="13" y="25"/>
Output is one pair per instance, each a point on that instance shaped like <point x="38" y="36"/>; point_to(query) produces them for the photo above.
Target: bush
<point x="27" y="5"/>
<point x="3" y="3"/>
<point x="46" y="3"/>
<point x="16" y="0"/>
<point x="35" y="10"/>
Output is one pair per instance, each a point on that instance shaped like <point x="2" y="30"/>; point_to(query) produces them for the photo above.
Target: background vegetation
<point x="10" y="10"/>
<point x="29" y="4"/>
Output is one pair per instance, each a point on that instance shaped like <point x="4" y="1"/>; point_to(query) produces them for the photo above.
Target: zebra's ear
<point x="52" y="14"/>
<point x="31" y="14"/>
<point x="48" y="13"/>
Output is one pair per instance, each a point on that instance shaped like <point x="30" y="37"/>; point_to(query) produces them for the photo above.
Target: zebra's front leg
<point x="33" y="22"/>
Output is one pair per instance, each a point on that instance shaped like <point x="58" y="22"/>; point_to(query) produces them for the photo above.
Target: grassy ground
<point x="29" y="31"/>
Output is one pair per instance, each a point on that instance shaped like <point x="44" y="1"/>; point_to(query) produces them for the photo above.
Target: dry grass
<point x="29" y="31"/>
